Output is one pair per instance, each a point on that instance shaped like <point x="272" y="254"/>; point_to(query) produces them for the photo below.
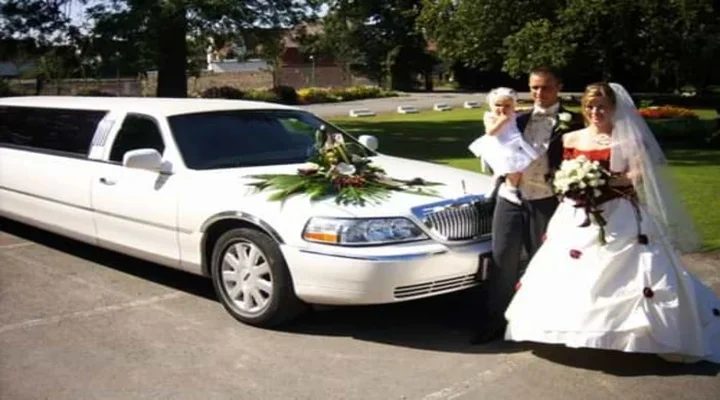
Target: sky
<point x="76" y="11"/>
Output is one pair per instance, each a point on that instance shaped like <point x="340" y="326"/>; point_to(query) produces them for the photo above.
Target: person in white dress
<point x="631" y="293"/>
<point x="502" y="146"/>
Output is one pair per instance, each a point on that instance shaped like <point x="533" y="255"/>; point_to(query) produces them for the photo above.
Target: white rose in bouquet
<point x="584" y="182"/>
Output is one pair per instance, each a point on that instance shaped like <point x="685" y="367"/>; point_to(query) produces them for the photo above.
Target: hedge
<point x="288" y="95"/>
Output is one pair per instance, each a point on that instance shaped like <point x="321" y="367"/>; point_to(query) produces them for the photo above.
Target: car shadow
<point x="444" y="323"/>
<point x="169" y="277"/>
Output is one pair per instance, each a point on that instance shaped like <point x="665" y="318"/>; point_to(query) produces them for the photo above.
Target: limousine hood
<point x="454" y="183"/>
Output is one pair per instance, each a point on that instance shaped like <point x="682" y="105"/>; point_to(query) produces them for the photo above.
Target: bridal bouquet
<point x="336" y="171"/>
<point x="584" y="181"/>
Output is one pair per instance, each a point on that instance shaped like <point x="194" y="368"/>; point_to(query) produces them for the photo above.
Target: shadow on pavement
<point x="621" y="364"/>
<point x="444" y="323"/>
<point x="176" y="279"/>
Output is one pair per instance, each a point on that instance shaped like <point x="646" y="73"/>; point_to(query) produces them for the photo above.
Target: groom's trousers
<point x="515" y="228"/>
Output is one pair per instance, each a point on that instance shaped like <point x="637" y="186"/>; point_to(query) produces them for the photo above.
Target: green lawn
<point x="444" y="137"/>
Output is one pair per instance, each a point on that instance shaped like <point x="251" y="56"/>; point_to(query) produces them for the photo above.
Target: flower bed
<point x="314" y="95"/>
<point x="661" y="112"/>
<point x="288" y="95"/>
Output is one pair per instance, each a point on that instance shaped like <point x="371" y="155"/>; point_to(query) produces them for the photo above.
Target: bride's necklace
<point x="603" y="139"/>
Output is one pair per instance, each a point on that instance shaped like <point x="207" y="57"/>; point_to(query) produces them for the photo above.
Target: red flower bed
<point x="667" y="112"/>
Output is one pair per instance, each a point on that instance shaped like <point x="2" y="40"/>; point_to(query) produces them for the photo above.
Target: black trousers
<point x="515" y="228"/>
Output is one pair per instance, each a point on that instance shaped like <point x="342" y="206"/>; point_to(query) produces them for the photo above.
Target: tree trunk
<point x="172" y="53"/>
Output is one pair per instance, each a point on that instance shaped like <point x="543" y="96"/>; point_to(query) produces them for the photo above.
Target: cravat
<point x="541" y="113"/>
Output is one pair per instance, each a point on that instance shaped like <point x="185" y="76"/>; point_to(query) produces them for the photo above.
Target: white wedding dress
<point x="624" y="295"/>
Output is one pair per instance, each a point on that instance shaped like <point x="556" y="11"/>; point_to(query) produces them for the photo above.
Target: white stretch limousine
<point x="165" y="180"/>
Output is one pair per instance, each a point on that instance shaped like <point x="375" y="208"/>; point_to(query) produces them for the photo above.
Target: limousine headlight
<point x="347" y="231"/>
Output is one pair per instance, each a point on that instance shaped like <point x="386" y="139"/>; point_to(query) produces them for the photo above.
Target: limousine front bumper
<point x="327" y="276"/>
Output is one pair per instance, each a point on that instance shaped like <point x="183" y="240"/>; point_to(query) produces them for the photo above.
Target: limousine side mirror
<point x="369" y="141"/>
<point x="149" y="159"/>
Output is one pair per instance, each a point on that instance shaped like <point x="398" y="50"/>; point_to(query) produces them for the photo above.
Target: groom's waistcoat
<point x="545" y="134"/>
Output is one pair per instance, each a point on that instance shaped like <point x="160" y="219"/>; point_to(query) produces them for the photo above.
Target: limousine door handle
<point x="107" y="181"/>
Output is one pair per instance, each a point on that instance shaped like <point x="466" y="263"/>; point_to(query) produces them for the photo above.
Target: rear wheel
<point x="252" y="280"/>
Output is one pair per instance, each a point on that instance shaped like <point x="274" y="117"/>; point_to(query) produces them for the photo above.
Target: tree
<point x="161" y="28"/>
<point x="316" y="42"/>
<point x="270" y="44"/>
<point x="39" y="31"/>
<point x="648" y="44"/>
<point x="472" y="32"/>
<point x="378" y="38"/>
<point x="42" y="20"/>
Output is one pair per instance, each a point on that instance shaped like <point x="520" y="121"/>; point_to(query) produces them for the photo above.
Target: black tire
<point x="282" y="304"/>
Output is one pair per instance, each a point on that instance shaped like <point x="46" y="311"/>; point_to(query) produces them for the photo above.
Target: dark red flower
<point x="575" y="253"/>
<point x="647" y="292"/>
<point x="643" y="239"/>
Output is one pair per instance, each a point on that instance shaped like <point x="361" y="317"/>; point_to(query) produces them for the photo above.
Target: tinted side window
<point x="137" y="132"/>
<point x="52" y="129"/>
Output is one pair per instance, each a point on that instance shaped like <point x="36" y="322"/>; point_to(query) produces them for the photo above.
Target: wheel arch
<point x="220" y="223"/>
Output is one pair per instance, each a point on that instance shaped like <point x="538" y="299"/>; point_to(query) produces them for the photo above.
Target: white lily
<point x="345" y="168"/>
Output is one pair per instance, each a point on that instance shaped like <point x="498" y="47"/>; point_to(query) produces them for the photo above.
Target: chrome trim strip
<point x="92" y="210"/>
<point x="143" y="222"/>
<point x="243" y="216"/>
<point x="54" y="228"/>
<point x="399" y="257"/>
<point x="103" y="130"/>
<point x="63" y="203"/>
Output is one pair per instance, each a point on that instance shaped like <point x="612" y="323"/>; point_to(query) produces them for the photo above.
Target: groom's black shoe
<point x="492" y="332"/>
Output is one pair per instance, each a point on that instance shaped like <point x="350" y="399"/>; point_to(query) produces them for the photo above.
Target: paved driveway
<point x="82" y="323"/>
<point x="422" y="101"/>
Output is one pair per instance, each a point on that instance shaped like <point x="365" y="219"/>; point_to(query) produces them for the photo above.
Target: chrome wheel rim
<point x="246" y="277"/>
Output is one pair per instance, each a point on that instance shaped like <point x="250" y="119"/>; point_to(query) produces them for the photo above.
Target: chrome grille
<point x="443" y="285"/>
<point x="462" y="222"/>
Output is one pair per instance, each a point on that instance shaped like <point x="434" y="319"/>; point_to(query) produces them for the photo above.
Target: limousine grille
<point x="462" y="222"/>
<point x="442" y="285"/>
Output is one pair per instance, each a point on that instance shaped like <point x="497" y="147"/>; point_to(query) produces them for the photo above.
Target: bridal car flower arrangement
<point x="334" y="170"/>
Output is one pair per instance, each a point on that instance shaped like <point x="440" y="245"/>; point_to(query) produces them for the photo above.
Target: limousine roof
<point x="166" y="106"/>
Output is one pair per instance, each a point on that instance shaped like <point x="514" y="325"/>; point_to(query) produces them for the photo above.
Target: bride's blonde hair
<point x="594" y="91"/>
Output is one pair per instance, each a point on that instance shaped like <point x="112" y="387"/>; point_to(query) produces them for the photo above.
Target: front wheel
<point x="252" y="280"/>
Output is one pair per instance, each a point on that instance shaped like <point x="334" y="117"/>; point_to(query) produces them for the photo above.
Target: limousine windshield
<point x="237" y="138"/>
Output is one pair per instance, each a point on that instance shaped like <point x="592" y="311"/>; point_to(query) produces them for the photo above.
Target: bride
<point x="631" y="293"/>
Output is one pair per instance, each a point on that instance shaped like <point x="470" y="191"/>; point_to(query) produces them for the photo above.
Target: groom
<point x="519" y="221"/>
